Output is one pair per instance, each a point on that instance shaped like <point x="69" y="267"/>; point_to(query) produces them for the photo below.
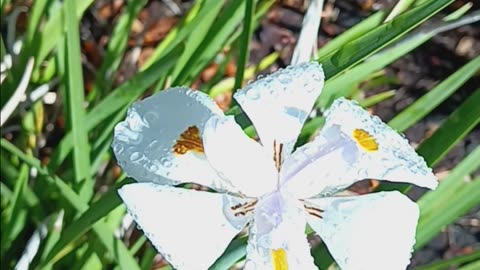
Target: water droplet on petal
<point x="153" y="168"/>
<point x="135" y="156"/>
<point x="253" y="94"/>
<point x="118" y="148"/>
<point x="284" y="78"/>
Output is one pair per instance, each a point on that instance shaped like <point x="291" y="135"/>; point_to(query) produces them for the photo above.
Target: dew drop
<point x="284" y="78"/>
<point x="153" y="168"/>
<point x="118" y="148"/>
<point x="135" y="156"/>
<point x="253" y="94"/>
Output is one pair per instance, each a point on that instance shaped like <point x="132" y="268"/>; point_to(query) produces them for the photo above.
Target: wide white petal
<point x="240" y="160"/>
<point x="277" y="237"/>
<point x="279" y="104"/>
<point x="395" y="160"/>
<point x="369" y="232"/>
<point x="335" y="159"/>
<point x="147" y="143"/>
<point x="188" y="227"/>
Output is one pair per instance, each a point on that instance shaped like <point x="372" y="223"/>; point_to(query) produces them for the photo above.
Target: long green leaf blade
<point x="76" y="99"/>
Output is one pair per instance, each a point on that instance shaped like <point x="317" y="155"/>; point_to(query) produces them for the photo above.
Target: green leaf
<point x="119" y="99"/>
<point x="116" y="47"/>
<point x="234" y="252"/>
<point x="16" y="213"/>
<point x="54" y="30"/>
<point x="99" y="209"/>
<point x="455" y="128"/>
<point x="424" y="105"/>
<point x="366" y="45"/>
<point x="221" y="30"/>
<point x="472" y="266"/>
<point x="455" y="195"/>
<point x="455" y="261"/>
<point x="199" y="36"/>
<point x="356" y="31"/>
<point x="244" y="43"/>
<point x="107" y="237"/>
<point x="75" y="98"/>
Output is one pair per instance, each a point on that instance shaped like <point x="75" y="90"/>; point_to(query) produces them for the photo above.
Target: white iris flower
<point x="181" y="136"/>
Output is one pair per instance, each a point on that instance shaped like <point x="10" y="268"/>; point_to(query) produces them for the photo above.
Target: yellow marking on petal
<point x="189" y="140"/>
<point x="279" y="259"/>
<point x="365" y="140"/>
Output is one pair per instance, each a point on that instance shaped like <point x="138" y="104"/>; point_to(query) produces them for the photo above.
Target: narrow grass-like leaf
<point x="179" y="33"/>
<point x="375" y="99"/>
<point x="95" y="212"/>
<point x="400" y="7"/>
<point x="116" y="47"/>
<point x="366" y="45"/>
<point x="121" y="97"/>
<point x="455" y="261"/>
<point x="421" y="107"/>
<point x="455" y="195"/>
<point x="471" y="266"/>
<point x="115" y="247"/>
<point x="222" y="28"/>
<point x="341" y="85"/>
<point x="455" y="128"/>
<point x="75" y="98"/>
<point x="356" y="31"/>
<point x="204" y="28"/>
<point x="244" y="43"/>
<point x="15" y="213"/>
<point x="54" y="30"/>
<point x="234" y="252"/>
<point x="226" y="85"/>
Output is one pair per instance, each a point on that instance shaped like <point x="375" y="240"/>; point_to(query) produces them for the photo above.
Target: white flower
<point x="181" y="136"/>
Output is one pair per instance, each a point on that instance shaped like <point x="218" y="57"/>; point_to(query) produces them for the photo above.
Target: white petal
<point x="279" y="104"/>
<point x="321" y="166"/>
<point x="237" y="158"/>
<point x="335" y="160"/>
<point x="188" y="227"/>
<point x="277" y="236"/>
<point x="144" y="143"/>
<point x="369" y="232"/>
<point x="395" y="160"/>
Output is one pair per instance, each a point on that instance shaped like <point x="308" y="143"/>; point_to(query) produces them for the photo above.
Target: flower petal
<point x="374" y="232"/>
<point x="160" y="141"/>
<point x="241" y="161"/>
<point x="352" y="146"/>
<point x="279" y="104"/>
<point x="383" y="153"/>
<point x="321" y="166"/>
<point x="188" y="227"/>
<point x="277" y="237"/>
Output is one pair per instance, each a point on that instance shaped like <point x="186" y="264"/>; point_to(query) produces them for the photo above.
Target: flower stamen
<point x="242" y="209"/>
<point x="277" y="154"/>
<point x="314" y="211"/>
